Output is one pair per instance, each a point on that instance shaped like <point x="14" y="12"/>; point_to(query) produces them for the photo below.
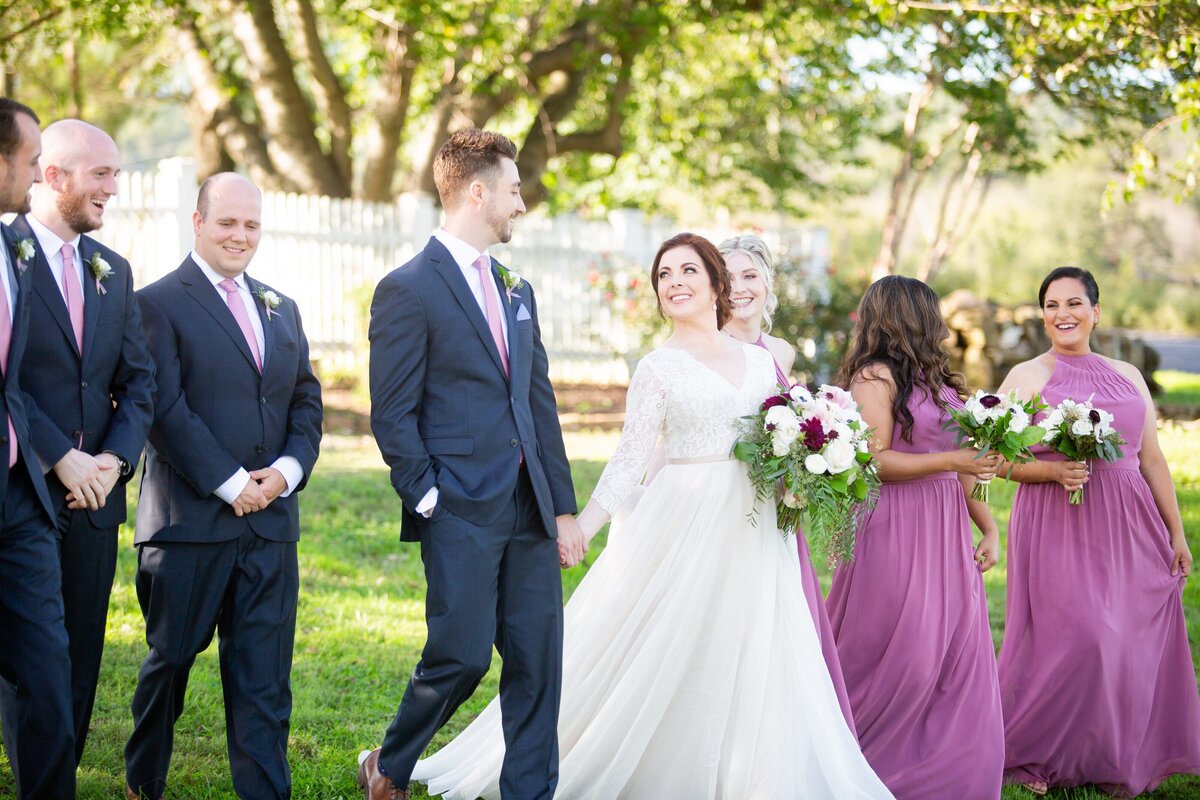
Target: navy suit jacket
<point x="214" y="413"/>
<point x="12" y="403"/>
<point x="442" y="410"/>
<point x="104" y="394"/>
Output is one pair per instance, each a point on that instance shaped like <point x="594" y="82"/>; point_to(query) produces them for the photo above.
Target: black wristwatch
<point x="124" y="467"/>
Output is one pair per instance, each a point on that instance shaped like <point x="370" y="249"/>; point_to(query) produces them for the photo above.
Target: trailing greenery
<point x="361" y="626"/>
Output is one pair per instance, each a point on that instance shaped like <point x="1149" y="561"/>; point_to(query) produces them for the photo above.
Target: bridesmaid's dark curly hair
<point x="714" y="265"/>
<point x="900" y="326"/>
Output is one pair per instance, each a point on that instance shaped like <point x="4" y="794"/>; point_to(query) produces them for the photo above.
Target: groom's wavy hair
<point x="900" y="326"/>
<point x="714" y="265"/>
<point x="468" y="155"/>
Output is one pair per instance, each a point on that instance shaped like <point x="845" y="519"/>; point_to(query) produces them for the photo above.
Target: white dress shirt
<point x="51" y="245"/>
<point x="288" y="466"/>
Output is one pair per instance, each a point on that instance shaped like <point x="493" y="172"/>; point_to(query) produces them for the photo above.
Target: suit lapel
<point x="91" y="297"/>
<point x="268" y="331"/>
<point x="197" y="285"/>
<point x="446" y="267"/>
<point x="45" y="287"/>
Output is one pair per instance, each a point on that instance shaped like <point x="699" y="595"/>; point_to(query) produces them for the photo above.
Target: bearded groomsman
<point x="237" y="426"/>
<point x="91" y="382"/>
<point x="33" y="641"/>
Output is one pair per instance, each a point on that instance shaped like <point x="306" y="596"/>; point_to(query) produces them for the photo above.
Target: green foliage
<point x="1179" y="388"/>
<point x="816" y="315"/>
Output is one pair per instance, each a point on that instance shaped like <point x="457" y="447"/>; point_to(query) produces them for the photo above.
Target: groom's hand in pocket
<point x="572" y="544"/>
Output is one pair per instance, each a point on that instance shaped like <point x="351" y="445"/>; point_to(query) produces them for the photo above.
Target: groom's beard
<point x="502" y="226"/>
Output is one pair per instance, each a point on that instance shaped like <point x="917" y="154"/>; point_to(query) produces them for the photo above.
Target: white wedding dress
<point x="691" y="667"/>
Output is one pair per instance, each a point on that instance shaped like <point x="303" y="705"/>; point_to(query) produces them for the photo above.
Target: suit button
<point x="84" y="384"/>
<point x="258" y="448"/>
<point x="513" y="443"/>
<point x="262" y="401"/>
<point x="76" y="435"/>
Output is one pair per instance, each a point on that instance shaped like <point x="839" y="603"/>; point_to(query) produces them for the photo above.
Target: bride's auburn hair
<point x="714" y="265"/>
<point x="900" y="326"/>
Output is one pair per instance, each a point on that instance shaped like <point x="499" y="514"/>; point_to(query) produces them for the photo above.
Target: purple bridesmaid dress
<point x="1095" y="672"/>
<point x="910" y="616"/>
<point x="816" y="601"/>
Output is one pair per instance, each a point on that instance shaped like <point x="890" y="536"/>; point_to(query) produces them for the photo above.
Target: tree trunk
<point x="327" y="89"/>
<point x="212" y="110"/>
<point x="893" y="232"/>
<point x="389" y="112"/>
<point x="285" y="111"/>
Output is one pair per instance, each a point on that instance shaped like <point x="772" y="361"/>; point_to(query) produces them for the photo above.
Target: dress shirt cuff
<point x="289" y="467"/>
<point x="428" y="503"/>
<point x="230" y="489"/>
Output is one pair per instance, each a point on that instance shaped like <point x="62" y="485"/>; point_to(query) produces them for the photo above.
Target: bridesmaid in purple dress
<point x="1095" y="672"/>
<point x="752" y="282"/>
<point x="909" y="612"/>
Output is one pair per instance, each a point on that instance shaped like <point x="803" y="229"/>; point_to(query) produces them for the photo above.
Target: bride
<point x="691" y="668"/>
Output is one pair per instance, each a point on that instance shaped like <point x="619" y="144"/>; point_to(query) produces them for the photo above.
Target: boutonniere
<point x="270" y="301"/>
<point x="25" y="252"/>
<point x="512" y="281"/>
<point x="101" y="269"/>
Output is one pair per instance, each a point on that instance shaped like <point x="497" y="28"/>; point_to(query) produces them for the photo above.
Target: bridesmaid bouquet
<point x="1001" y="423"/>
<point x="812" y="448"/>
<point x="1081" y="432"/>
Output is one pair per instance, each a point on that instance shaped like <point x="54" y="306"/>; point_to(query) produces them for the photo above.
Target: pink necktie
<point x="233" y="299"/>
<point x="492" y="306"/>
<point x="73" y="295"/>
<point x="5" y="340"/>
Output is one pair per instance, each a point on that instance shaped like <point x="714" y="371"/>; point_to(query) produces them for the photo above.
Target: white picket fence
<point x="328" y="254"/>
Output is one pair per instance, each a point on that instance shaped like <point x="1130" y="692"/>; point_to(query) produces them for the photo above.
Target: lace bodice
<point x="692" y="407"/>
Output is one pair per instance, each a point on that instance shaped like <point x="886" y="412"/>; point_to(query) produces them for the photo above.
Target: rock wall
<point x="987" y="340"/>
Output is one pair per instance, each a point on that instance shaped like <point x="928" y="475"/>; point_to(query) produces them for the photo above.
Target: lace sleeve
<point x="645" y="412"/>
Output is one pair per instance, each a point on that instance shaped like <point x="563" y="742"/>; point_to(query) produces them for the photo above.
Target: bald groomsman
<point x="38" y="730"/>
<point x="90" y="379"/>
<point x="237" y="425"/>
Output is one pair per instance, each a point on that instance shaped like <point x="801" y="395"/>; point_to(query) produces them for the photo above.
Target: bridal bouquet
<point x="812" y="447"/>
<point x="1001" y="423"/>
<point x="1081" y="432"/>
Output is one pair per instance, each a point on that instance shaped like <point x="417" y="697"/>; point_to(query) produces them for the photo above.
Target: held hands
<point x="572" y="543"/>
<point x="1070" y="475"/>
<point x="969" y="462"/>
<point x="88" y="478"/>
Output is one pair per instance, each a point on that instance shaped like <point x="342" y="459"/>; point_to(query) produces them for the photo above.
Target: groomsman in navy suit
<point x="92" y="389"/>
<point x="34" y="659"/>
<point x="237" y="426"/>
<point x="464" y="414"/>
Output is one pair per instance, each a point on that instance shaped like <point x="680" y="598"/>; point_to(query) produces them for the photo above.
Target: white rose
<point x="816" y="464"/>
<point x="781" y="416"/>
<point x="1019" y="421"/>
<point x="839" y="456"/>
<point x="862" y="445"/>
<point x="1054" y="419"/>
<point x="782" y="440"/>
<point x="799" y="394"/>
<point x="794" y="500"/>
<point x="1081" y="427"/>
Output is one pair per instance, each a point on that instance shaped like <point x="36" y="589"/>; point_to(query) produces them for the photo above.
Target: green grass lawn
<point x="1180" y="388"/>
<point x="361" y="626"/>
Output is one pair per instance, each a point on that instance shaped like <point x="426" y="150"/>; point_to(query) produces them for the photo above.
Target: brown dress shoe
<point x="376" y="785"/>
<point x="130" y="794"/>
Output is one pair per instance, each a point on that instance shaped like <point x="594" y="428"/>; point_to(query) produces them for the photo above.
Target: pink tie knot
<point x="68" y="252"/>
<point x="229" y="285"/>
<point x="483" y="263"/>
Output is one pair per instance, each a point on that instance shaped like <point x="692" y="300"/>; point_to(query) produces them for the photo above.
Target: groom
<point x="464" y="414"/>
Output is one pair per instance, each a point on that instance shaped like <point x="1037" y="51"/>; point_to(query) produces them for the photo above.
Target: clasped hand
<point x="969" y="462"/>
<point x="88" y="478"/>
<point x="260" y="490"/>
<point x="1070" y="475"/>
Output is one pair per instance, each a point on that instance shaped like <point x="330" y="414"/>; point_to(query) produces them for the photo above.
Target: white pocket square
<point x="522" y="313"/>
